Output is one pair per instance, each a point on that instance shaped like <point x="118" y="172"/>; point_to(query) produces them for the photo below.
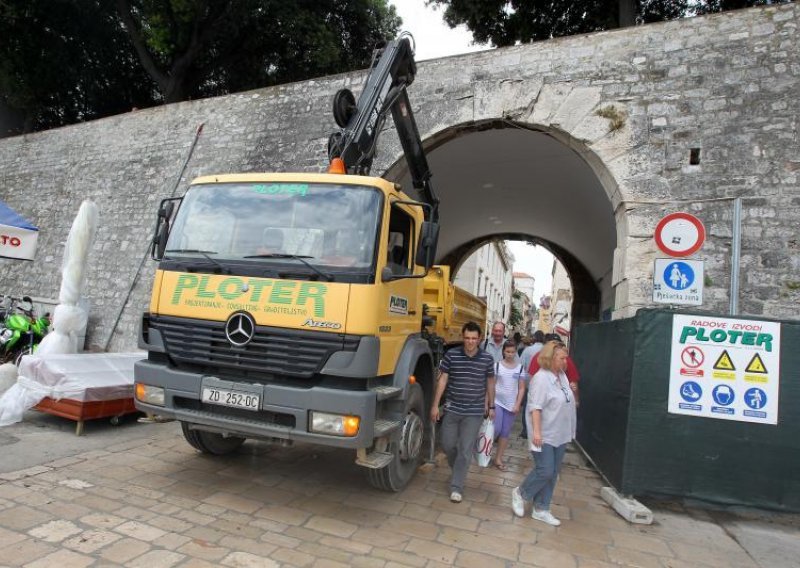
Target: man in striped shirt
<point x="467" y="374"/>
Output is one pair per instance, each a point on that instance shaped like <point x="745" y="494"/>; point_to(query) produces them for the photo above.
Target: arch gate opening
<point x="508" y="181"/>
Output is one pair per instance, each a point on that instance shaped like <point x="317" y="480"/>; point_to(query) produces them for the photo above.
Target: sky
<point x="433" y="38"/>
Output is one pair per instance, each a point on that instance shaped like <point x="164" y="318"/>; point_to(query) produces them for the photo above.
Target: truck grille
<point x="201" y="346"/>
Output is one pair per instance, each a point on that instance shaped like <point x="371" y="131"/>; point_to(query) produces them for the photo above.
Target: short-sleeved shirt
<point x="509" y="382"/>
<point x="467" y="378"/>
<point x="551" y="394"/>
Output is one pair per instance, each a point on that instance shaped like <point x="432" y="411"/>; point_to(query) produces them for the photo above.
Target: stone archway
<point x="509" y="181"/>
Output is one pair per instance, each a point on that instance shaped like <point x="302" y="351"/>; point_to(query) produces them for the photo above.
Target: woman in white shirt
<point x="509" y="390"/>
<point x="551" y="426"/>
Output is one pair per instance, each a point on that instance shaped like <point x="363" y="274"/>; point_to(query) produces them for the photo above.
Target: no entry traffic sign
<point x="680" y="234"/>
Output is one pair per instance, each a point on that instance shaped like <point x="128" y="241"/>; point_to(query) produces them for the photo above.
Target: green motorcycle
<point x="21" y="332"/>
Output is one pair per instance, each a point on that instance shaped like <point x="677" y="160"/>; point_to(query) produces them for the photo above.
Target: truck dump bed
<point x="450" y="306"/>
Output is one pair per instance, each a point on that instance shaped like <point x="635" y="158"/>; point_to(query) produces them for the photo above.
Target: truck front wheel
<point x="209" y="442"/>
<point x="406" y="446"/>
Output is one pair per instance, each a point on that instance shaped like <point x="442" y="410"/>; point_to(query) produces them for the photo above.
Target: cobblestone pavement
<point x="152" y="502"/>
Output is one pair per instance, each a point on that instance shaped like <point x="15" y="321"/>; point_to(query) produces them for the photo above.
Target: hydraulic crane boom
<point x="392" y="71"/>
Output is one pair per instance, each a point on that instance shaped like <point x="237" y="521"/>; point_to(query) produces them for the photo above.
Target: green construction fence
<point x="643" y="450"/>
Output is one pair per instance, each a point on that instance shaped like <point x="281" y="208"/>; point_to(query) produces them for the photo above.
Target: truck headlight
<point x="335" y="424"/>
<point x="149" y="394"/>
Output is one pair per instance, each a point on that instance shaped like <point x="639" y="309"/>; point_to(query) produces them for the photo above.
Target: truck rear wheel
<point x="209" y="442"/>
<point x="407" y="447"/>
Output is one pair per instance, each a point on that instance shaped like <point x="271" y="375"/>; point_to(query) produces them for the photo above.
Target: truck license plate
<point x="248" y="401"/>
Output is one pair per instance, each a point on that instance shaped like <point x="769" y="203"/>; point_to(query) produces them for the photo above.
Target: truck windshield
<point x="328" y="225"/>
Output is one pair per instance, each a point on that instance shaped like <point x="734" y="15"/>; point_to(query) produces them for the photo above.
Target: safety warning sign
<point x="725" y="368"/>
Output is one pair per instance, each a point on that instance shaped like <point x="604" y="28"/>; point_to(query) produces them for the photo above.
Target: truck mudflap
<point x="283" y="412"/>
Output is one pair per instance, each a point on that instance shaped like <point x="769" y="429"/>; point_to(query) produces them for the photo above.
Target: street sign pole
<point x="736" y="250"/>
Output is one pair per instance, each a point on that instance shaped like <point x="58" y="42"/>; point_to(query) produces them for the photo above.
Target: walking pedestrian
<point x="572" y="370"/>
<point x="494" y="345"/>
<point x="552" y="424"/>
<point x="466" y="374"/>
<point x="528" y="354"/>
<point x="509" y="390"/>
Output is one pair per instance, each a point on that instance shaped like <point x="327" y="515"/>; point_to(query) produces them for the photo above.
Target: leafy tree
<point x="194" y="48"/>
<point x="507" y="22"/>
<point x="63" y="61"/>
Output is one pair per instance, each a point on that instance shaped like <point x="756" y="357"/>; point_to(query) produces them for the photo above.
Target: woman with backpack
<point x="509" y="390"/>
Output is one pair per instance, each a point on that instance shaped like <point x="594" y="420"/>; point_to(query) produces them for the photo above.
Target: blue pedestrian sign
<point x="679" y="275"/>
<point x="678" y="282"/>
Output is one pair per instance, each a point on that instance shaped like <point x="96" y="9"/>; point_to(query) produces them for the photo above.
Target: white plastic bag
<point x="484" y="442"/>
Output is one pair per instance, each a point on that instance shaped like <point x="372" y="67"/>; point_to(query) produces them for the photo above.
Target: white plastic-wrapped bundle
<point x="69" y="317"/>
<point x="68" y="320"/>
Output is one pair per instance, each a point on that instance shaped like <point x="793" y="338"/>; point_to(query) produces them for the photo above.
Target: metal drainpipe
<point x="736" y="250"/>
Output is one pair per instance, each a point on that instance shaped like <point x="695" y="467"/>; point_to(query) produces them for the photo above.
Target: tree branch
<point x="145" y="57"/>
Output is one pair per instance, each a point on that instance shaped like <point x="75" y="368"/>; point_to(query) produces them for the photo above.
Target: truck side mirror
<point x="165" y="211"/>
<point x="426" y="247"/>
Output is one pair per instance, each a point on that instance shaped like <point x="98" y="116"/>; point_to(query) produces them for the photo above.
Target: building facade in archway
<point x="581" y="144"/>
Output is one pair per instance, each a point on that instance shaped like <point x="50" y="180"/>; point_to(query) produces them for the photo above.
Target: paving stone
<point x="233" y="502"/>
<point x="9" y="537"/>
<point x="141" y="531"/>
<point x="124" y="550"/>
<point x="156" y="559"/>
<point x="247" y="560"/>
<point x="201" y="549"/>
<point x="629" y="557"/>
<point x="293" y="557"/>
<point x="346" y="545"/>
<point x="640" y="542"/>
<point x="489" y="544"/>
<point x="432" y="550"/>
<point x="90" y="541"/>
<point x="540" y="556"/>
<point x="62" y="559"/>
<point x="21" y="552"/>
<point x="402" y="558"/>
<point x="468" y="559"/>
<point x="171" y="541"/>
<point x="23" y="518"/>
<point x="458" y="521"/>
<point x="283" y="514"/>
<point x="55" y="531"/>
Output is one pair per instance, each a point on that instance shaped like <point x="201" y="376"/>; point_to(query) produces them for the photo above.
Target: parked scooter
<point x="21" y="332"/>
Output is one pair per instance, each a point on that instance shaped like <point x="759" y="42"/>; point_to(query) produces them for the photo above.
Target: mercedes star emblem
<point x="240" y="329"/>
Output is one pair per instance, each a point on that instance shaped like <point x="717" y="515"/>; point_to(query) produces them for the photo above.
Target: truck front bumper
<point x="284" y="411"/>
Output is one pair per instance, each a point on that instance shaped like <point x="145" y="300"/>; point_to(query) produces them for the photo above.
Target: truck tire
<point x="209" y="442"/>
<point x="407" y="447"/>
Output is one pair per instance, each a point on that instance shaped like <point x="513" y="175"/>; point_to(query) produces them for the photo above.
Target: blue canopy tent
<point x="17" y="235"/>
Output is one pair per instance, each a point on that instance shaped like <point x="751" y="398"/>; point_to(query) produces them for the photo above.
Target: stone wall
<point x="726" y="84"/>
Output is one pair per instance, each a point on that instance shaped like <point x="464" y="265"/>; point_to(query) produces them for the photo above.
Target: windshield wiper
<point x="205" y="253"/>
<point x="301" y="258"/>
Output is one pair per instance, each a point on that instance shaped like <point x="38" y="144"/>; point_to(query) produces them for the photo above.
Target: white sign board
<point x="678" y="282"/>
<point x="17" y="242"/>
<point x="725" y="368"/>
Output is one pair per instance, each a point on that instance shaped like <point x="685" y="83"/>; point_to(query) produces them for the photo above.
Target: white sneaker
<point x="455" y="497"/>
<point x="517" y="503"/>
<point x="545" y="517"/>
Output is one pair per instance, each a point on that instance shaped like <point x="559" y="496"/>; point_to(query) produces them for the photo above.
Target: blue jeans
<point x="458" y="436"/>
<point x="541" y="481"/>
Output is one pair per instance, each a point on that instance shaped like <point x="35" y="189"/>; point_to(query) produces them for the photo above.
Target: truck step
<point x="385" y="427"/>
<point x="374" y="460"/>
<point x="387" y="392"/>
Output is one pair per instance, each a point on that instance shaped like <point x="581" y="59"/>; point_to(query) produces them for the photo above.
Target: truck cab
<point x="289" y="306"/>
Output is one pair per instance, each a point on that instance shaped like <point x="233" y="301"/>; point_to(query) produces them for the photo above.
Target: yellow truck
<point x="305" y="307"/>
